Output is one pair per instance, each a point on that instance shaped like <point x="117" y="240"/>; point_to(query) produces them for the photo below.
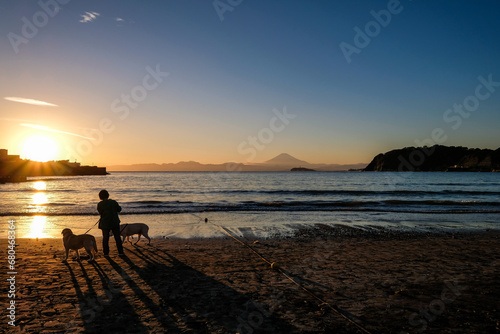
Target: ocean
<point x="255" y="204"/>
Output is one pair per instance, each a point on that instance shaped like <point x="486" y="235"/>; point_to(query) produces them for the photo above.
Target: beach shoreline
<point x="385" y="281"/>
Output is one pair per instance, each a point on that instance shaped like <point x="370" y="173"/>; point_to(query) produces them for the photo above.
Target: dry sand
<point x="386" y="282"/>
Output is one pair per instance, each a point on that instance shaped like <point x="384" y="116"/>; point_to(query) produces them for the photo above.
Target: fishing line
<point x="277" y="268"/>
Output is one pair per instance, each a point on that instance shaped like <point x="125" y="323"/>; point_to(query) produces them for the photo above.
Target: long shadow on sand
<point x="197" y="303"/>
<point x="102" y="312"/>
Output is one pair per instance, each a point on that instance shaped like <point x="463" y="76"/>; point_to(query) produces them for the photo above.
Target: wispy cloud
<point x="89" y="17"/>
<point x="30" y="101"/>
<point x="44" y="128"/>
<point x="120" y="21"/>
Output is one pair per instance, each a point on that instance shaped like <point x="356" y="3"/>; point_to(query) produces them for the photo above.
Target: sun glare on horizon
<point x="39" y="148"/>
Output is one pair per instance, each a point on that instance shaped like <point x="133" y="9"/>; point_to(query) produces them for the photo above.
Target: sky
<point x="124" y="82"/>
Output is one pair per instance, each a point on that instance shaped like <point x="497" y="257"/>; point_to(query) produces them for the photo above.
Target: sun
<point x="40" y="148"/>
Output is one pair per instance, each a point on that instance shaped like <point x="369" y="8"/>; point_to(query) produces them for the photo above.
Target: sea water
<point x="255" y="204"/>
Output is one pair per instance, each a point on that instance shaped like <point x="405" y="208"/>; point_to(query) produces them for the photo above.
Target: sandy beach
<point x="385" y="282"/>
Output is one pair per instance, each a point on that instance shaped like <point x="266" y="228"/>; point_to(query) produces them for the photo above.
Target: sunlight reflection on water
<point x="37" y="228"/>
<point x="40" y="199"/>
<point x="40" y="185"/>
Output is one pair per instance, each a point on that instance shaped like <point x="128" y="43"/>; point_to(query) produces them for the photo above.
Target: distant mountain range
<point x="280" y="163"/>
<point x="437" y="158"/>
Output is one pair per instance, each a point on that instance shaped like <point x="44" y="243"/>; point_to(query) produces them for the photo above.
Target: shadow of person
<point x="194" y="301"/>
<point x="101" y="311"/>
<point x="153" y="308"/>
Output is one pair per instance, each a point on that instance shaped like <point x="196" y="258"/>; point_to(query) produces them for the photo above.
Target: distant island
<point x="282" y="163"/>
<point x="15" y="169"/>
<point x="437" y="158"/>
<point x="302" y="169"/>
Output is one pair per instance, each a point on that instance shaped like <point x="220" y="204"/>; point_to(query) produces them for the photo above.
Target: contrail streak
<point x="44" y="128"/>
<point x="30" y="101"/>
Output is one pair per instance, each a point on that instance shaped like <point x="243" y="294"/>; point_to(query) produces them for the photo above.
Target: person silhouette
<point x="108" y="209"/>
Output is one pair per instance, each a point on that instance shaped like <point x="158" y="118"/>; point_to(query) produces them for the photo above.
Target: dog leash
<point x="125" y="225"/>
<point x="98" y="223"/>
<point x="93" y="226"/>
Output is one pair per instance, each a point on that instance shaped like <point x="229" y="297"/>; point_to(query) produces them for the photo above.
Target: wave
<point x="53" y="204"/>
<point x="281" y="192"/>
<point x="344" y="203"/>
<point x="33" y="190"/>
<point x="442" y="202"/>
<point x="351" y="192"/>
<point x="176" y="207"/>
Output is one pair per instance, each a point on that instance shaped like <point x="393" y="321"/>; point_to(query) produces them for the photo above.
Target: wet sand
<point x="386" y="282"/>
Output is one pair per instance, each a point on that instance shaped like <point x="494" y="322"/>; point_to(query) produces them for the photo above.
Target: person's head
<point x="103" y="194"/>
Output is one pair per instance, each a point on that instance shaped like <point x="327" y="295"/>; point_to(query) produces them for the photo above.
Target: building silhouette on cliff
<point x="15" y="169"/>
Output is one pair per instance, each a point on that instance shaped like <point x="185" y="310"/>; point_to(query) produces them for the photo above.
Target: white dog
<point x="126" y="230"/>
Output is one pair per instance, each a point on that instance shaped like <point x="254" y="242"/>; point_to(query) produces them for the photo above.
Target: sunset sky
<point x="122" y="82"/>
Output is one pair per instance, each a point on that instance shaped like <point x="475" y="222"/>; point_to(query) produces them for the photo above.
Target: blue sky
<point x="229" y="79"/>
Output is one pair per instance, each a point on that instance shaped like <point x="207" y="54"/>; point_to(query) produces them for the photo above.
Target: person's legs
<point x="105" y="241"/>
<point x="118" y="240"/>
